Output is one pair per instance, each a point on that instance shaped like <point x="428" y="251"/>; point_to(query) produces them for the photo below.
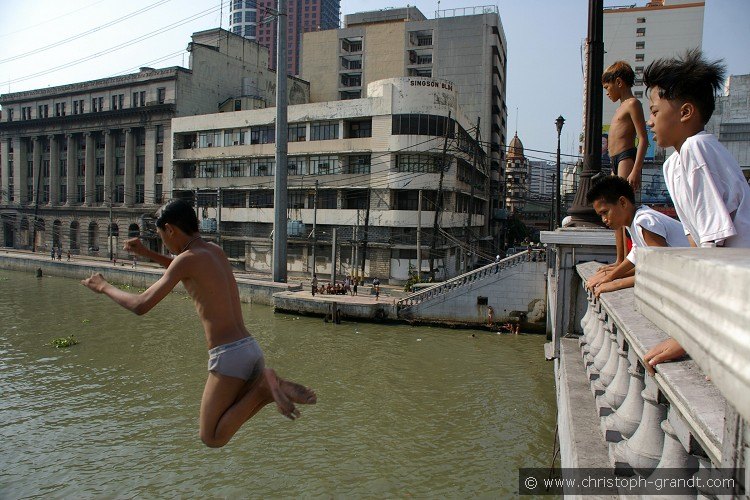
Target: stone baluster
<point x="609" y="370"/>
<point x="680" y="464"/>
<point x="589" y="328"/>
<point x="617" y="390"/>
<point x="602" y="356"/>
<point x="642" y="452"/>
<point x="592" y="349"/>
<point x="623" y="423"/>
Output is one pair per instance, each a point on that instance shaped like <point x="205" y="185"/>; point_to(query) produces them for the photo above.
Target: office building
<point x="83" y="161"/>
<point x="357" y="167"/>
<point x="464" y="46"/>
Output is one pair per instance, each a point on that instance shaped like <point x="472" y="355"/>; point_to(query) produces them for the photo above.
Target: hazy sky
<point x="544" y="40"/>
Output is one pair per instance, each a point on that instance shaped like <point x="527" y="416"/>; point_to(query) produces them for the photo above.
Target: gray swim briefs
<point x="241" y="359"/>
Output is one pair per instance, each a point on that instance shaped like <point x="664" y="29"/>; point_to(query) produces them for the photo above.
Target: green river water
<point x="402" y="411"/>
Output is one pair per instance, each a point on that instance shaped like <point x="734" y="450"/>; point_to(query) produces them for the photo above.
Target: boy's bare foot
<point x="285" y="406"/>
<point x="298" y="393"/>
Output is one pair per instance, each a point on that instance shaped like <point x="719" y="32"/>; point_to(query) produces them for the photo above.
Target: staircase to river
<point x="499" y="291"/>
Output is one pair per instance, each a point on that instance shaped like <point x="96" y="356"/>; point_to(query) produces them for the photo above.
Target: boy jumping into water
<point x="238" y="384"/>
<point x="627" y="123"/>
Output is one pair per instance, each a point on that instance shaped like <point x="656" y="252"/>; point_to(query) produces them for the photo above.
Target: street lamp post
<point x="559" y="124"/>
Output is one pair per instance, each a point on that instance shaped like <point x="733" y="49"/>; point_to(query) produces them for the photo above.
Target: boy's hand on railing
<point x="666" y="351"/>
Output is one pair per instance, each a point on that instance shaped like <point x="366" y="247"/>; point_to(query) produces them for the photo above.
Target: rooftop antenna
<point x="516" y="120"/>
<point x="221" y="13"/>
<point x="437" y="12"/>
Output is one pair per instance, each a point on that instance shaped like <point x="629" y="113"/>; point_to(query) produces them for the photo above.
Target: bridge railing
<point x="538" y="255"/>
<point x="672" y="419"/>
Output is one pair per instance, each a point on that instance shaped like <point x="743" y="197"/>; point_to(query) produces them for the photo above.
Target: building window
<point x="296" y="165"/>
<point x="160" y="134"/>
<point x="297" y="132"/>
<point x="237" y="30"/>
<point x="10" y="114"/>
<point x="81" y="193"/>
<point x="100" y="167"/>
<point x="63" y="193"/>
<point x="638" y="94"/>
<point x="260" y="199"/>
<point x="237" y="17"/>
<point x="262" y="135"/>
<point x="120" y="193"/>
<point x="262" y="166"/>
<point x="139" y="193"/>
<point x="234" y="199"/>
<point x="359" y="128"/>
<point x="158" y="193"/>
<point x="324" y="165"/>
<point x="640" y="32"/>
<point x="161" y="95"/>
<point x="640" y="45"/>
<point x="357" y="164"/>
<point x="417" y="163"/>
<point x="414" y="124"/>
<point x="323" y="131"/>
<point x="63" y="167"/>
<point x="208" y="168"/>
<point x="140" y="165"/>
<point x="81" y="167"/>
<point x="238" y="105"/>
<point x="640" y="20"/>
<point x="159" y="163"/>
<point x="639" y="57"/>
<point x="99" y="193"/>
<point x="97" y="104"/>
<point x="119" y="165"/>
<point x="233" y="137"/>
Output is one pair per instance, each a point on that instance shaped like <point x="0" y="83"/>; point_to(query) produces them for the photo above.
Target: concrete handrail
<point x="470" y="277"/>
<point x="673" y="417"/>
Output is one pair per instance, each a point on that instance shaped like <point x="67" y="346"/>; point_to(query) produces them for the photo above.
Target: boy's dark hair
<point x="687" y="78"/>
<point x="179" y="213"/>
<point x="609" y="189"/>
<point x="619" y="69"/>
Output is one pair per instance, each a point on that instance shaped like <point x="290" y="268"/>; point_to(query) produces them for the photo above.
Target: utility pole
<point x="109" y="230"/>
<point x="315" y="223"/>
<point x="280" y="195"/>
<point x="218" y="215"/>
<point x="553" y="209"/>
<point x="333" y="257"/>
<point x="439" y="200"/>
<point x="367" y="221"/>
<point x="470" y="207"/>
<point x="419" y="237"/>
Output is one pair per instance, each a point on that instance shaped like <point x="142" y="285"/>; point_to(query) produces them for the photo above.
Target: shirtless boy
<point x="238" y="384"/>
<point x="627" y="123"/>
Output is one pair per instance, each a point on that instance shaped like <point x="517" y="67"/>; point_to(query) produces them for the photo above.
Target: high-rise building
<point x="88" y="160"/>
<point x="641" y="34"/>
<point x="466" y="47"/>
<point x="254" y="19"/>
<point x="730" y="122"/>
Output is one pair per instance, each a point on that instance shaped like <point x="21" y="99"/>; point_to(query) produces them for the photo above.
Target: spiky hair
<point x="687" y="78"/>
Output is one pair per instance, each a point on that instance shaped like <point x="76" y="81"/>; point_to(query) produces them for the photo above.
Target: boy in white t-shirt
<point x="614" y="200"/>
<point x="709" y="192"/>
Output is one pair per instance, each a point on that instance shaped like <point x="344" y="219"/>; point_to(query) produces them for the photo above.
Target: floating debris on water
<point x="85" y="321"/>
<point x="62" y="342"/>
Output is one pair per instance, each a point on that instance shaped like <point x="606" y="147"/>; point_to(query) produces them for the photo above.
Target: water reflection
<point x="402" y="411"/>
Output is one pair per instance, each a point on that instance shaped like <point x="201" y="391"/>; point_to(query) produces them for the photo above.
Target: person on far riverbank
<point x="239" y="384"/>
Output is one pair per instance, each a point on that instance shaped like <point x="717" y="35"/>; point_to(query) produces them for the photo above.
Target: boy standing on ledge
<point x="238" y="384"/>
<point x="627" y="124"/>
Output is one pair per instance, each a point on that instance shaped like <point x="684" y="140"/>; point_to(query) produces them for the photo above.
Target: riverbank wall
<point x="251" y="290"/>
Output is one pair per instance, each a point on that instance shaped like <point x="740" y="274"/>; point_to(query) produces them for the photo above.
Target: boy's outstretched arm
<point x="135" y="245"/>
<point x="639" y="122"/>
<point x="137" y="303"/>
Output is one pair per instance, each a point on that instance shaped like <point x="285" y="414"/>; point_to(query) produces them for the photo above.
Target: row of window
<point x="266" y="134"/>
<point x="260" y="167"/>
<point x="118" y="193"/>
<point x="117" y="101"/>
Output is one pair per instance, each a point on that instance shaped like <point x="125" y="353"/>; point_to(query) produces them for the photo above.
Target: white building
<point x="731" y="119"/>
<point x="640" y="35"/>
<point x="359" y="166"/>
